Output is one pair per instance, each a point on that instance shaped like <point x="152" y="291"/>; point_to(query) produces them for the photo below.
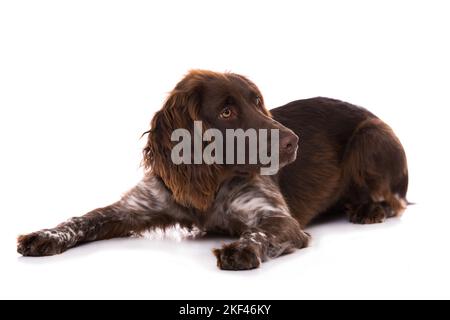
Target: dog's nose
<point x="289" y="143"/>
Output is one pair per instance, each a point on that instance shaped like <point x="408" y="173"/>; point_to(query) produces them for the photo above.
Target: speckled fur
<point x="349" y="161"/>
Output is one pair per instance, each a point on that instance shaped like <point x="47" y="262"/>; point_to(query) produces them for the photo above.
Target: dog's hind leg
<point x="377" y="175"/>
<point x="148" y="205"/>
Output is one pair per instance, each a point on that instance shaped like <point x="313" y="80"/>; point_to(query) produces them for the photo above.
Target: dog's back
<point x="347" y="156"/>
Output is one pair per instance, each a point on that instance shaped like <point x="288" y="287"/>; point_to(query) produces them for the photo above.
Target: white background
<point x="80" y="81"/>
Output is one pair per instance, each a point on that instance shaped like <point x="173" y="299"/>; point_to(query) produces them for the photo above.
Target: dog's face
<point x="232" y="102"/>
<point x="223" y="102"/>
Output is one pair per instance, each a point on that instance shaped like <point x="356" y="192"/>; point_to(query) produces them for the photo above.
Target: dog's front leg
<point x="267" y="230"/>
<point x="148" y="205"/>
<point x="273" y="237"/>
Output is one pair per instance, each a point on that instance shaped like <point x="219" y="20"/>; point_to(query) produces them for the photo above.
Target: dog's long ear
<point x="192" y="185"/>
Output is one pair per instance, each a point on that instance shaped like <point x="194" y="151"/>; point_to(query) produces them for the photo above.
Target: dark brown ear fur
<point x="252" y="85"/>
<point x="192" y="186"/>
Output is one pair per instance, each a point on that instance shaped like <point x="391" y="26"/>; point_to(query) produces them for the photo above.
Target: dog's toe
<point x="368" y="215"/>
<point x="38" y="244"/>
<point x="237" y="256"/>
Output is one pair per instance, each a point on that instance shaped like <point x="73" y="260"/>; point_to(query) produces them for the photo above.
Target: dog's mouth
<point x="285" y="158"/>
<point x="288" y="157"/>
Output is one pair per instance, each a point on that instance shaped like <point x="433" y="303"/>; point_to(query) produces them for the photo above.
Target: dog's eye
<point x="258" y="101"/>
<point x="226" y="113"/>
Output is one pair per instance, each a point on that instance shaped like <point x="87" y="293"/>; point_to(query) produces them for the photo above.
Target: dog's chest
<point x="239" y="204"/>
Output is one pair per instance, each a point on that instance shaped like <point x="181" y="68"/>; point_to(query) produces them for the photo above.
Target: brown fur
<point x="349" y="161"/>
<point x="180" y="110"/>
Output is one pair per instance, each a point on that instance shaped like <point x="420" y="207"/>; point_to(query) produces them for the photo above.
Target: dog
<point x="348" y="161"/>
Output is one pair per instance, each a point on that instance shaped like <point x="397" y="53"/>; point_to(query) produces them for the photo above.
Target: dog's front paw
<point x="40" y="243"/>
<point x="237" y="256"/>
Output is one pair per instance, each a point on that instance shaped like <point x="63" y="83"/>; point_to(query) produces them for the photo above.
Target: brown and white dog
<point x="349" y="160"/>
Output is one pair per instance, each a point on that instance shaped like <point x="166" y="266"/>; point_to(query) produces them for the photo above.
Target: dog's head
<point x="222" y="102"/>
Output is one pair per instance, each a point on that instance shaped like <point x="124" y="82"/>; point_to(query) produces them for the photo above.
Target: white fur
<point x="403" y="203"/>
<point x="148" y="195"/>
<point x="253" y="208"/>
